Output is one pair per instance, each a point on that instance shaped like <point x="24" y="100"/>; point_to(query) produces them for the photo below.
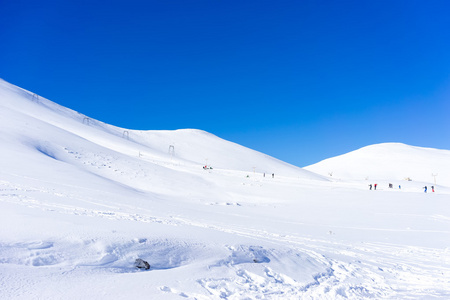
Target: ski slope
<point x="81" y="200"/>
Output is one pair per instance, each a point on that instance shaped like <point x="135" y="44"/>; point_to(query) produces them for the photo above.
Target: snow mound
<point x="389" y="161"/>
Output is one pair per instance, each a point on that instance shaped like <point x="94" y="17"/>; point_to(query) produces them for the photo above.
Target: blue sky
<point x="299" y="80"/>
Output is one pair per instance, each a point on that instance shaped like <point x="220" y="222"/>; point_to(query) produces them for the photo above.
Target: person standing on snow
<point x="432" y="188"/>
<point x="425" y="189"/>
<point x="375" y="186"/>
<point x="370" y="186"/>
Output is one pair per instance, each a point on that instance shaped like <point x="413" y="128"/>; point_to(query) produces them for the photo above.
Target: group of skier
<point x="399" y="187"/>
<point x="374" y="186"/>
<point x="425" y="188"/>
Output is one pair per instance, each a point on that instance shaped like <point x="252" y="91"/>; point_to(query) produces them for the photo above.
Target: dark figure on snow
<point x="425" y="189"/>
<point x="375" y="186"/>
<point x="399" y="187"/>
<point x="432" y="188"/>
<point x="370" y="186"/>
<point x="273" y="175"/>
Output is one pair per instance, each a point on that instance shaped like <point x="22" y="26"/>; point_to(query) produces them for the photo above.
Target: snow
<point x="81" y="200"/>
<point x="393" y="161"/>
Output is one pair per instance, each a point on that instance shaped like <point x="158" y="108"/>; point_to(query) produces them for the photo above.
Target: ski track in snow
<point x="348" y="271"/>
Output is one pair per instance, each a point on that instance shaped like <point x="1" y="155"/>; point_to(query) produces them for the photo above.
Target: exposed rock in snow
<point x="141" y="264"/>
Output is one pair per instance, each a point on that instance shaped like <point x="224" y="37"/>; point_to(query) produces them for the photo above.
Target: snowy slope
<point x="81" y="200"/>
<point x="189" y="145"/>
<point x="389" y="161"/>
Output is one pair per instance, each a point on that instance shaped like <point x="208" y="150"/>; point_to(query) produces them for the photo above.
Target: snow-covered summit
<point x="389" y="161"/>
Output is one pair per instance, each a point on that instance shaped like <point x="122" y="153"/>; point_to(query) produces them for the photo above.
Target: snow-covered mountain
<point x="81" y="200"/>
<point x="389" y="161"/>
<point x="34" y="126"/>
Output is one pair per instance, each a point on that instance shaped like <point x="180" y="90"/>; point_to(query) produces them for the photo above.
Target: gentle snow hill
<point x="389" y="161"/>
<point x="44" y="127"/>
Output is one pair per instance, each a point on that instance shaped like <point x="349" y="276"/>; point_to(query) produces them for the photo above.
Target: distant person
<point x="273" y="175"/>
<point x="370" y="186"/>
<point x="375" y="186"/>
<point x="425" y="189"/>
<point x="390" y="185"/>
<point x="432" y="188"/>
<point x="264" y="175"/>
<point x="399" y="187"/>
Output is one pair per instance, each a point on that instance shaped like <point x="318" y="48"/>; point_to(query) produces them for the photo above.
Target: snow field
<point x="293" y="259"/>
<point x="80" y="202"/>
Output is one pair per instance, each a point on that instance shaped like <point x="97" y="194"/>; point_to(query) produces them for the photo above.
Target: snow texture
<point x="81" y="201"/>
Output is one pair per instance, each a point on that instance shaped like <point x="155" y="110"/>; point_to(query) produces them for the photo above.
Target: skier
<point x="375" y="186"/>
<point x="425" y="189"/>
<point x="370" y="186"/>
<point x="273" y="174"/>
<point x="432" y="188"/>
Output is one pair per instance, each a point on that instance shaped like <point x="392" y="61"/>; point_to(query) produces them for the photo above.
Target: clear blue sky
<point x="299" y="80"/>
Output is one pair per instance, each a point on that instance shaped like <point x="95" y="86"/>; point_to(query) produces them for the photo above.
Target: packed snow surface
<point x="81" y="200"/>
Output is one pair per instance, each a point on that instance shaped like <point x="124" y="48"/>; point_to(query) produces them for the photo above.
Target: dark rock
<point x="142" y="264"/>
